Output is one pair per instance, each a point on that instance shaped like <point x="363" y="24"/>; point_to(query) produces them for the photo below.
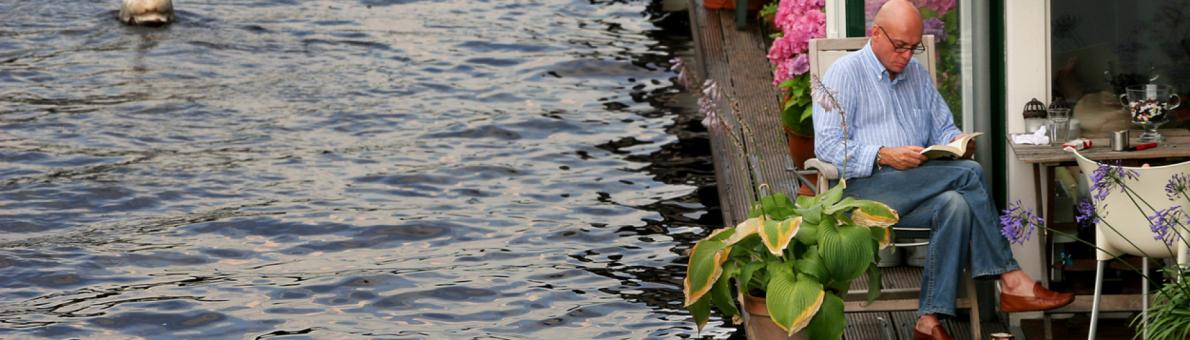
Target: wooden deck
<point x="737" y="61"/>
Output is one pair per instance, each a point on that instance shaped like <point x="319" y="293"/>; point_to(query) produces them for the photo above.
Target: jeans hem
<point x="936" y="311"/>
<point x="996" y="272"/>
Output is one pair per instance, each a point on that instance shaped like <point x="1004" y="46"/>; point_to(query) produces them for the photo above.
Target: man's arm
<point x="828" y="130"/>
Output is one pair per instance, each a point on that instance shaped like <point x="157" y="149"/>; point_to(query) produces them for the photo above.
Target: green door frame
<point x="855" y="28"/>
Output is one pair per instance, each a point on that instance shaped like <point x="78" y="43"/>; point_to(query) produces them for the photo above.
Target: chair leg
<point x="1144" y="304"/>
<point x="976" y="326"/>
<point x="1095" y="300"/>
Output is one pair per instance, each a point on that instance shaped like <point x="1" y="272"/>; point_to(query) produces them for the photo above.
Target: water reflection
<point x="416" y="169"/>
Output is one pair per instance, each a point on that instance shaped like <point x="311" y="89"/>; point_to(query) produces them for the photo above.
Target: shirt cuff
<point x="865" y="159"/>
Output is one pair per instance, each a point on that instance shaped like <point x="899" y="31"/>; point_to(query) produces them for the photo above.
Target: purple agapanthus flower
<point x="1177" y="186"/>
<point x="1086" y="212"/>
<point x="1164" y="222"/>
<point x="1017" y="223"/>
<point x="1107" y="177"/>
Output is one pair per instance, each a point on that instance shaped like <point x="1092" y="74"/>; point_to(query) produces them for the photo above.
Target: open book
<point x="955" y="149"/>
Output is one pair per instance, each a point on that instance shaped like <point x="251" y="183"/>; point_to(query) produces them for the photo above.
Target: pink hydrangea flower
<point x="799" y="21"/>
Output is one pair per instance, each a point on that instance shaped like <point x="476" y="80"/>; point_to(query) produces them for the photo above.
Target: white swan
<point x="147" y="12"/>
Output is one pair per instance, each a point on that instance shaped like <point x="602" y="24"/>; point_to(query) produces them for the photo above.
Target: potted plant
<point x="800" y="257"/>
<point x="1169" y="314"/>
<point x="796" y="22"/>
<point x="797" y="258"/>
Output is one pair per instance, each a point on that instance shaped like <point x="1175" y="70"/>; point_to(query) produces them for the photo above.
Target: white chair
<point x="1132" y="234"/>
<point x="823" y="53"/>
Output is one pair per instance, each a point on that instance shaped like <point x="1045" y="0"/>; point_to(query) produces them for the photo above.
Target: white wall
<point x="1027" y="64"/>
<point x="836" y="19"/>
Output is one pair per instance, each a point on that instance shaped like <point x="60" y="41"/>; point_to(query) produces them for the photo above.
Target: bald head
<point x="899" y="15"/>
<point x="896" y="30"/>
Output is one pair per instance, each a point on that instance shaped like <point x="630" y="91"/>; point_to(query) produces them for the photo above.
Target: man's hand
<point x="902" y="157"/>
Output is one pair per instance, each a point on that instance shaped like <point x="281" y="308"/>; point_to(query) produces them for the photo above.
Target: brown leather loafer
<point x="1043" y="299"/>
<point x="936" y="333"/>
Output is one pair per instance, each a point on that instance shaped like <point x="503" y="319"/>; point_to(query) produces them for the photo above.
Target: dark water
<point x="341" y="169"/>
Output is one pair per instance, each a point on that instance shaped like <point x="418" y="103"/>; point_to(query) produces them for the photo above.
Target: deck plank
<point x="760" y="105"/>
<point x="731" y="169"/>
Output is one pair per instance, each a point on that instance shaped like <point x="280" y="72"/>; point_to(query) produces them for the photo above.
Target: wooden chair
<point x="1132" y="234"/>
<point x="823" y="53"/>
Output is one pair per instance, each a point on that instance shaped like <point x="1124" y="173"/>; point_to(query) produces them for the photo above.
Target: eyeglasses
<point x="918" y="48"/>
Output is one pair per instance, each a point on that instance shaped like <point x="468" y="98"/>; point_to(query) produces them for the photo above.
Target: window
<point x="1100" y="46"/>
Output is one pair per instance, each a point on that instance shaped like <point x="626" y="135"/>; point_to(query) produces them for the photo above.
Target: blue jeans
<point x="949" y="197"/>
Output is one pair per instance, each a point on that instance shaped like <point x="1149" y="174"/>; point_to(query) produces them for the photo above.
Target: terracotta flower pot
<point x="801" y="149"/>
<point x="760" y="326"/>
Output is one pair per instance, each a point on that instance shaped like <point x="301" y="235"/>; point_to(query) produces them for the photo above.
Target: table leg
<point x="1037" y="192"/>
<point x="1047" y="324"/>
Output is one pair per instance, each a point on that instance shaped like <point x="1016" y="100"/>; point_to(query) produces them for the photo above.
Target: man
<point x="893" y="111"/>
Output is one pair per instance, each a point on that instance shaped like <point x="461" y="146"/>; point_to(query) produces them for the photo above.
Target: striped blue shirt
<point x="904" y="111"/>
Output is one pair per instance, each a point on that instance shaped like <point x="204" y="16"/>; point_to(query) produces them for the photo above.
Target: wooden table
<point x="1045" y="158"/>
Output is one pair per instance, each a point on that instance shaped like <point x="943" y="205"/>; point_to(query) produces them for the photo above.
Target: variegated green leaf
<point x="874" y="214"/>
<point x="811" y="264"/>
<point x="882" y="235"/>
<point x="776" y="235"/>
<point x="721" y="234"/>
<point x="874" y="284"/>
<point x="746" y="228"/>
<point x="746" y="274"/>
<point x="705" y="266"/>
<point x="807" y="233"/>
<point x="805" y="201"/>
<point x="812" y="214"/>
<point x="721" y="296"/>
<point x="846" y="251"/>
<point x="833" y="195"/>
<point x="792" y="303"/>
<point x="701" y="310"/>
<point x="842" y="205"/>
<point x="829" y="322"/>
<point x="776" y="207"/>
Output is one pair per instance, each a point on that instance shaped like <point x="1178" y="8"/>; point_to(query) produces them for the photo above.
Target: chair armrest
<point x="824" y="169"/>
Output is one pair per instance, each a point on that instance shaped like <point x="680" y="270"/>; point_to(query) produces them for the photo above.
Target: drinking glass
<point x="1059" y="124"/>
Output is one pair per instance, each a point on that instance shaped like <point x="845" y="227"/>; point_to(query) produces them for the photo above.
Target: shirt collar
<point x="874" y="66"/>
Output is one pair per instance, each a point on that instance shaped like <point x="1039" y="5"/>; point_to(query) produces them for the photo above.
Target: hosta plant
<point x="801" y="256"/>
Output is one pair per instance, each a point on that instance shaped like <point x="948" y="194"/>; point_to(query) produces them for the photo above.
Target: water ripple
<point x="348" y="169"/>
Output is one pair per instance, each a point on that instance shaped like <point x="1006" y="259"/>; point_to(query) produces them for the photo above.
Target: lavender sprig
<point x="677" y="64"/>
<point x="825" y="97"/>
